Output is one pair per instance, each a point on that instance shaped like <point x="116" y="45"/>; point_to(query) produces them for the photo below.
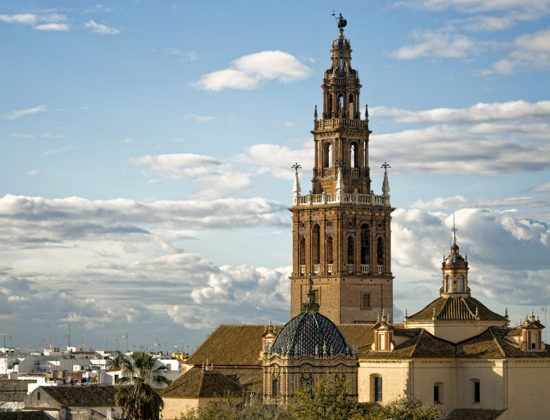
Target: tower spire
<point x="454" y="230"/>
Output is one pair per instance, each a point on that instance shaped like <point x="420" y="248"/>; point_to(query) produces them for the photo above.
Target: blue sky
<point x="145" y="153"/>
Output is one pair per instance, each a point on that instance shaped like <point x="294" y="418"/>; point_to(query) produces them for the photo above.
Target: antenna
<point x="4" y="337"/>
<point x="68" y="336"/>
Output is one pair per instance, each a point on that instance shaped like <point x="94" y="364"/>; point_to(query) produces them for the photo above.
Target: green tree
<point x="134" y="393"/>
<point x="326" y="400"/>
<point x="405" y="409"/>
<point x="115" y="362"/>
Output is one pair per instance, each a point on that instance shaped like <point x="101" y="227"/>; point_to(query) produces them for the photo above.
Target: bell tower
<point x="341" y="229"/>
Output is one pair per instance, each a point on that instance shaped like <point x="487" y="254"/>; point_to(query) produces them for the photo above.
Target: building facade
<point x="341" y="229"/>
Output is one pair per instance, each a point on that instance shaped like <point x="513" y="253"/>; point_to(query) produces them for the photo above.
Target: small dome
<point x="340" y="41"/>
<point x="310" y="333"/>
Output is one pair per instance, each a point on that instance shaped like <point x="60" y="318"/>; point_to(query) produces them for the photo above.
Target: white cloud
<point x="215" y="178"/>
<point x="33" y="172"/>
<point x="191" y="55"/>
<point x="127" y="140"/>
<point x="24" y="18"/>
<point x="249" y="71"/>
<point x="439" y="44"/>
<point x="531" y="53"/>
<point x="48" y="135"/>
<point x="276" y="159"/>
<point x="198" y="118"/>
<point x="452" y="150"/>
<point x="480" y="112"/>
<point x="489" y="139"/>
<point x="13" y="115"/>
<point x="46" y="22"/>
<point x="542" y="188"/>
<point x="500" y="245"/>
<point x="62" y="27"/>
<point x="477" y="6"/>
<point x="460" y="202"/>
<point x="100" y="28"/>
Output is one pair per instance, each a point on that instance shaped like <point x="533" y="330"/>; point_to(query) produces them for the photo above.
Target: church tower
<point x="341" y="229"/>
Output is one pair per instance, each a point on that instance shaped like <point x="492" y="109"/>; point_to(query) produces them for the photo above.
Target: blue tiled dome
<point x="310" y="333"/>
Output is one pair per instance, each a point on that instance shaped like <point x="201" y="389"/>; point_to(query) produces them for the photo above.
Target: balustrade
<point x="329" y="268"/>
<point x="365" y="268"/>
<point x="302" y="270"/>
<point x="380" y="269"/>
<point x="316" y="268"/>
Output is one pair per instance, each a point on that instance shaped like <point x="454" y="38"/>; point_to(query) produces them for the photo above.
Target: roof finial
<point x="311" y="305"/>
<point x="454" y="229"/>
<point x="315" y="113"/>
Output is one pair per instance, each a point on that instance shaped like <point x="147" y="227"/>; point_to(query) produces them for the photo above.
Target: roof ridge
<point x="468" y="307"/>
<point x="497" y="342"/>
<point x="416" y="344"/>
<point x="201" y="383"/>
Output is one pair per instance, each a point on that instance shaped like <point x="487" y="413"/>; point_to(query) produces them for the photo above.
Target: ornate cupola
<point x="341" y="228"/>
<point x="455" y="272"/>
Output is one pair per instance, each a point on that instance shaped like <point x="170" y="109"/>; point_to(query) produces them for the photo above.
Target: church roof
<point x="310" y="333"/>
<point x="456" y="309"/>
<point x="201" y="383"/>
<point x="82" y="396"/>
<point x="420" y="344"/>
<point x="231" y="345"/>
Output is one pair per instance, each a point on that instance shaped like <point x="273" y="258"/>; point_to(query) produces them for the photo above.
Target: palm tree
<point x="134" y="393"/>
<point x="116" y="362"/>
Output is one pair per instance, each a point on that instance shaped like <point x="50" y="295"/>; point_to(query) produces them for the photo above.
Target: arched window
<point x="351" y="258"/>
<point x="350" y="99"/>
<point x="461" y="284"/>
<point x="315" y="245"/>
<point x="302" y="251"/>
<point x="365" y="244"/>
<point x="327" y="155"/>
<point x="329" y="104"/>
<point x="380" y="251"/>
<point x="341" y="63"/>
<point x="448" y="283"/>
<point x="329" y="250"/>
<point x="354" y="155"/>
<point x="275" y="388"/>
<point x="340" y="103"/>
<point x="376" y="388"/>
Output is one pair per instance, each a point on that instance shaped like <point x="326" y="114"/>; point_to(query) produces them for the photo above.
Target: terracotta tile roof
<point x="14" y="390"/>
<point x="24" y="415"/>
<point x="200" y="383"/>
<point x="483" y="346"/>
<point x="231" y="345"/>
<point x="511" y="349"/>
<point x="456" y="309"/>
<point x="250" y="379"/>
<point x="421" y="344"/>
<point x="82" y="396"/>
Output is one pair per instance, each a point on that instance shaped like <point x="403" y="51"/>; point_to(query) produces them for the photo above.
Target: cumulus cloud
<point x="460" y="202"/>
<point x="100" y="28"/>
<point x="477" y="6"/>
<point x="29" y="222"/>
<point x="489" y="139"/>
<point x="453" y="151"/>
<point x="480" y="112"/>
<point x="249" y="71"/>
<point x="13" y="115"/>
<point x="531" y="52"/>
<point x="40" y="22"/>
<point x="215" y="178"/>
<point x="276" y="159"/>
<point x="499" y="245"/>
<point x="439" y="44"/>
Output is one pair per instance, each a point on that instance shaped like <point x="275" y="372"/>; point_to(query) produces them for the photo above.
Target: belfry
<point x="341" y="229"/>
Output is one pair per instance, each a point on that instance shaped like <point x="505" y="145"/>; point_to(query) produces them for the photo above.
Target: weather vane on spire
<point x="386" y="166"/>
<point x="341" y="21"/>
<point x="454" y="229"/>
<point x="296" y="166"/>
